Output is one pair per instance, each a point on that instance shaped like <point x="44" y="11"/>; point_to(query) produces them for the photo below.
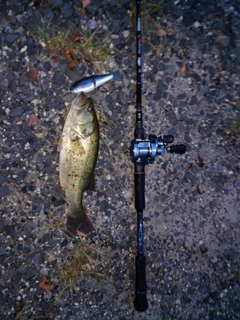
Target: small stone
<point x="126" y="33"/>
<point x="11" y="76"/>
<point x="2" y="251"/>
<point x="47" y="13"/>
<point x="187" y="185"/>
<point x="225" y="42"/>
<point x="93" y="6"/>
<point x="13" y="2"/>
<point x="21" y="80"/>
<point x="37" y="259"/>
<point x="20" y="17"/>
<point x="196" y="24"/>
<point x="4" y="191"/>
<point x="184" y="43"/>
<point x="3" y="82"/>
<point x="194" y="100"/>
<point x="177" y="12"/>
<point x="203" y="248"/>
<point x="77" y="3"/>
<point x="92" y="24"/>
<point x="171" y="69"/>
<point x="59" y="78"/>
<point x="67" y="10"/>
<point x="44" y="271"/>
<point x="48" y="296"/>
<point x="62" y="64"/>
<point x="16" y="112"/>
<point x="47" y="66"/>
<point x="29" y="227"/>
<point x="56" y="3"/>
<point x="10" y="230"/>
<point x="10" y="38"/>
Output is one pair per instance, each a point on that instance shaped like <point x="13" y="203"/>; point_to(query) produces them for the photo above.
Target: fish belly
<point x="76" y="168"/>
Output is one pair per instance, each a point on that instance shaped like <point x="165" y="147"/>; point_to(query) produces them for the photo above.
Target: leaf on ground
<point x="33" y="75"/>
<point x="44" y="4"/>
<point x="222" y="37"/>
<point x="143" y="38"/>
<point x="68" y="53"/>
<point x="160" y="32"/>
<point x="183" y="68"/>
<point x="47" y="312"/>
<point x="32" y="120"/>
<point x="45" y="284"/>
<point x="75" y="37"/>
<point x="81" y="234"/>
<point x="71" y="66"/>
<point x="85" y="3"/>
<point x="19" y="307"/>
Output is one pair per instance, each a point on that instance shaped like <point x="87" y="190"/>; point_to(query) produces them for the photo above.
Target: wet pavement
<point x="191" y="89"/>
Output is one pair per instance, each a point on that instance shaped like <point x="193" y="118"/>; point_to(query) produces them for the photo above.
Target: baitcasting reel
<point x="145" y="151"/>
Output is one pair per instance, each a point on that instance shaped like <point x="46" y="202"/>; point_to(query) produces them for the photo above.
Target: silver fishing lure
<point x="90" y="83"/>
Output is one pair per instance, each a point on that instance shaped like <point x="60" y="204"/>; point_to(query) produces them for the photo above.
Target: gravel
<point x="191" y="89"/>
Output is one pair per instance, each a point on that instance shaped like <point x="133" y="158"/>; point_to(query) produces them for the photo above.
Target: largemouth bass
<point x="90" y="83"/>
<point x="78" y="148"/>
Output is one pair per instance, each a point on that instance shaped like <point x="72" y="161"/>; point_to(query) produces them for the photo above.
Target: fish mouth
<point x="82" y="101"/>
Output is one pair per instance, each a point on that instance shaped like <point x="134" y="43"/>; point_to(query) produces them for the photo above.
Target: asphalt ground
<point x="191" y="89"/>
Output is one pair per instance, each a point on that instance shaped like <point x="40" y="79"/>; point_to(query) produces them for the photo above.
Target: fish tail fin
<point x="116" y="75"/>
<point x="79" y="227"/>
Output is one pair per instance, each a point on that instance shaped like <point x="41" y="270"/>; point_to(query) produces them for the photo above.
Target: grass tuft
<point x="76" y="44"/>
<point x="82" y="261"/>
<point x="149" y="13"/>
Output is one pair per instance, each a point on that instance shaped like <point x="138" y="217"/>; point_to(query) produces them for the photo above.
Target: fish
<point x="90" y="83"/>
<point x="78" y="147"/>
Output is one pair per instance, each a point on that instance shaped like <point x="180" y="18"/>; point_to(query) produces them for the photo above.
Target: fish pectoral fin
<point x="81" y="147"/>
<point x="60" y="144"/>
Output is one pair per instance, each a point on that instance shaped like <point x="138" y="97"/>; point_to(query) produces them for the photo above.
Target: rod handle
<point x="140" y="302"/>
<point x="139" y="182"/>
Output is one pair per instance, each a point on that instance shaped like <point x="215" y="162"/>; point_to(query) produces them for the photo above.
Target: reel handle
<point x="180" y="149"/>
<point x="140" y="302"/>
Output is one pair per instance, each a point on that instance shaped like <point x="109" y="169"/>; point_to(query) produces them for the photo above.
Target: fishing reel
<point x="145" y="151"/>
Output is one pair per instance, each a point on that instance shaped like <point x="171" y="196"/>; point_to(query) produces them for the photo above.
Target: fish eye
<point x="89" y="109"/>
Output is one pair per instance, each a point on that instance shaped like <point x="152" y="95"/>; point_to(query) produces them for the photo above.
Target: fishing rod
<point x="144" y="151"/>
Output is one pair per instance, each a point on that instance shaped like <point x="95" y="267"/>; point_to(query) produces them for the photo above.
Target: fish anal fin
<point x="91" y="183"/>
<point x="57" y="191"/>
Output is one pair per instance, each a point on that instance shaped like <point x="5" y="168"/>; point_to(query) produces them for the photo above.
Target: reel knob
<point x="180" y="149"/>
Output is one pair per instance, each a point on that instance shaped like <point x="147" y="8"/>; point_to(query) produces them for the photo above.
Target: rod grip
<point x="139" y="182"/>
<point x="140" y="302"/>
